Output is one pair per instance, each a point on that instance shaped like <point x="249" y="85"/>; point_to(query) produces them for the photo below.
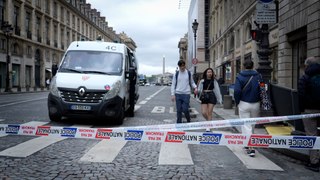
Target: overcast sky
<point x="156" y="26"/>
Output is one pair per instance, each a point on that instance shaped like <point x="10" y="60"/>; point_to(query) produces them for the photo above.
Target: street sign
<point x="194" y="61"/>
<point x="266" y="12"/>
<point x="266" y="6"/>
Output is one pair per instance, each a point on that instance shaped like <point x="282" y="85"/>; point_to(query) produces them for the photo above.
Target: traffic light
<point x="256" y="35"/>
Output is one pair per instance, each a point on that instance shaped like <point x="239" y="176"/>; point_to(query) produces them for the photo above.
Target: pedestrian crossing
<point x="107" y="151"/>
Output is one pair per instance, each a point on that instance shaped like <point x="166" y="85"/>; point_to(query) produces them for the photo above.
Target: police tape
<point x="204" y="138"/>
<point x="220" y="123"/>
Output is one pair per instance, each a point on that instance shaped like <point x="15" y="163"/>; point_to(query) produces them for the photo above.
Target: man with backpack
<point x="181" y="86"/>
<point x="309" y="98"/>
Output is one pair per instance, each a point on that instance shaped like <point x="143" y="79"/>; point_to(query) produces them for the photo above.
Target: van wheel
<point x="55" y="117"/>
<point x="119" y="120"/>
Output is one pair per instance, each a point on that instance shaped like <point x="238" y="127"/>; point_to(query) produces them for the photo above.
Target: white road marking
<point x="259" y="162"/>
<point x="175" y="154"/>
<point x="168" y="120"/>
<point x="27" y="148"/>
<point x="136" y="107"/>
<point x="158" y="109"/>
<point x="19" y="102"/>
<point x="105" y="151"/>
<point x="194" y="111"/>
<point x="172" y="110"/>
<point x="143" y="102"/>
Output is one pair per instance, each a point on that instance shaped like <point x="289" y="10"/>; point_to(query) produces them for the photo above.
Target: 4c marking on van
<point x="112" y="48"/>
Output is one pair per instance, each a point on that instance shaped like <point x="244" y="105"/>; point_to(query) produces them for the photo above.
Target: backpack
<point x="189" y="74"/>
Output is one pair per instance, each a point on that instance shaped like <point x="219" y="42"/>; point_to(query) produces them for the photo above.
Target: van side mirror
<point x="131" y="74"/>
<point x="54" y="69"/>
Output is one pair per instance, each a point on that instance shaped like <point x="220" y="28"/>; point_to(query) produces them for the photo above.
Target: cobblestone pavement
<point x="139" y="160"/>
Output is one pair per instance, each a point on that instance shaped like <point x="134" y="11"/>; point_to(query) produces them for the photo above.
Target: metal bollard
<point x="227" y="102"/>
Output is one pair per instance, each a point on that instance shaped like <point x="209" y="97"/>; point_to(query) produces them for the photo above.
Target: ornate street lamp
<point x="195" y="28"/>
<point x="7" y="29"/>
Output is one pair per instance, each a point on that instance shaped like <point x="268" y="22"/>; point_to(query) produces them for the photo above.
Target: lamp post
<point x="195" y="28"/>
<point x="7" y="29"/>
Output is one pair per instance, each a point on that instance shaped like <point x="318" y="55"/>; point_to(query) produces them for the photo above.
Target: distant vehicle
<point x="147" y="84"/>
<point x="142" y="80"/>
<point x="95" y="79"/>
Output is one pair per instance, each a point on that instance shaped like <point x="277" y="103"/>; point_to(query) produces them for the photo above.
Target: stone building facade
<point x="299" y="38"/>
<point x="41" y="32"/>
<point x="294" y="36"/>
<point x="230" y="38"/>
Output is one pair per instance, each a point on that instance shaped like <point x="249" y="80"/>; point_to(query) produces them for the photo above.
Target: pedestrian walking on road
<point x="247" y="97"/>
<point x="309" y="98"/>
<point x="209" y="93"/>
<point x="181" y="86"/>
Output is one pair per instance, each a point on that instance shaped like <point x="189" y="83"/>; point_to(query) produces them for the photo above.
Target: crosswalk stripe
<point x="259" y="162"/>
<point x="175" y="154"/>
<point x="27" y="148"/>
<point x="105" y="151"/>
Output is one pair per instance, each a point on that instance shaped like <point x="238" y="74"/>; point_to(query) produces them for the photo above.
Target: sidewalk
<point x="300" y="154"/>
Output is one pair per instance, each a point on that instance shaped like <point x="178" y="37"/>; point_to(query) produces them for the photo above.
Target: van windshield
<point x="92" y="62"/>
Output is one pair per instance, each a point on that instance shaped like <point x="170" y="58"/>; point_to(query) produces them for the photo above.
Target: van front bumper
<point x="105" y="109"/>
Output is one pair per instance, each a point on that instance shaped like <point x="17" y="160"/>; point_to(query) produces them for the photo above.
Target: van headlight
<point x="114" y="90"/>
<point x="53" y="88"/>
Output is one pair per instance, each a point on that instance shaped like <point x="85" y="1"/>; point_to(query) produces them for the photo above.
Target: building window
<point x="16" y="49"/>
<point x="28" y="25"/>
<point x="248" y="32"/>
<point x="38" y="29"/>
<point x="68" y="38"/>
<point x="16" y="16"/>
<point x="62" y="14"/>
<point x="2" y="44"/>
<point x="238" y="39"/>
<point x="1" y="11"/>
<point x="55" y="10"/>
<point x="48" y="55"/>
<point x="55" y="36"/>
<point x="38" y="3"/>
<point x="62" y="38"/>
<point x="73" y="21"/>
<point x="78" y="24"/>
<point x="47" y="6"/>
<point x="46" y="33"/>
<point x="68" y="17"/>
<point x="29" y="51"/>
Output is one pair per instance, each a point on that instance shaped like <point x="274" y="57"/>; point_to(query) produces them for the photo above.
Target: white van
<point x="95" y="79"/>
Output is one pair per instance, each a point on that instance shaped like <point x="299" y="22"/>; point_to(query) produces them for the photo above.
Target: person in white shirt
<point x="180" y="91"/>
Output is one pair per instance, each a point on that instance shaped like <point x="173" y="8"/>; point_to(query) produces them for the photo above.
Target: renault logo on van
<point x="82" y="91"/>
